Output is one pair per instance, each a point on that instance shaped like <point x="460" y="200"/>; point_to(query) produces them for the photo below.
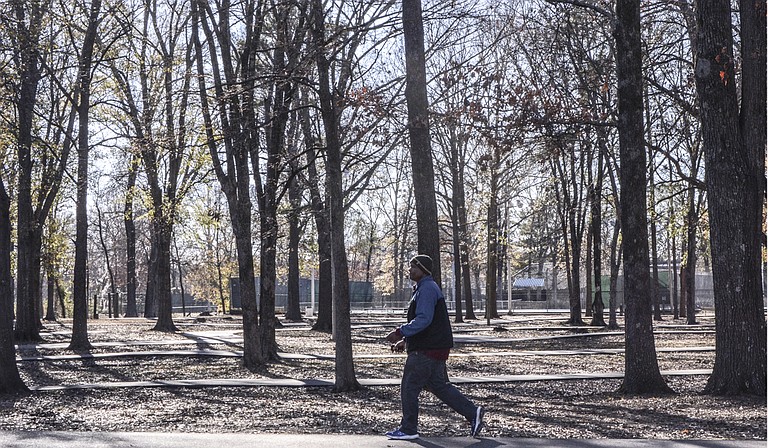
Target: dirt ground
<point x="515" y="345"/>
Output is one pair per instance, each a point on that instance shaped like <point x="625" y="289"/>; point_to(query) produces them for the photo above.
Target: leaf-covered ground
<point x="515" y="345"/>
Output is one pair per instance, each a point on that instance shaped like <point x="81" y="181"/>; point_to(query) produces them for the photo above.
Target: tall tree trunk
<point x="324" y="278"/>
<point x="179" y="266"/>
<point x="655" y="293"/>
<point x="268" y="280"/>
<point x="50" y="307"/>
<point x="466" y="272"/>
<point x="324" y="304"/>
<point x="734" y="148"/>
<point x="163" y="234"/>
<point x="571" y="228"/>
<point x="130" y="240"/>
<point x="29" y="24"/>
<point x="597" y="244"/>
<point x="460" y="206"/>
<point x="418" y="130"/>
<point x="241" y="226"/>
<point x="108" y="262"/>
<point x="61" y="294"/>
<point x="492" y="248"/>
<point x="277" y="114"/>
<point x="236" y="181"/>
<point x="673" y="277"/>
<point x="588" y="265"/>
<point x="457" y="284"/>
<point x="689" y="277"/>
<point x="79" y="339"/>
<point x="293" y="308"/>
<point x="642" y="373"/>
<point x="345" y="367"/>
<point x="456" y="166"/>
<point x="150" y="296"/>
<point x="10" y="380"/>
<point x="220" y="273"/>
<point x="575" y="239"/>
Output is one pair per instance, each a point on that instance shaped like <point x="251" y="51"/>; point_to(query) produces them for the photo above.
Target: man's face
<point x="415" y="273"/>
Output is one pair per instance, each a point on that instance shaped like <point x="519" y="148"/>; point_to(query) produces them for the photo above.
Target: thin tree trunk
<point x="457" y="284"/>
<point x="345" y="368"/>
<point x="219" y="273"/>
<point x="293" y="308"/>
<point x="492" y="249"/>
<point x="689" y="279"/>
<point x="130" y="240"/>
<point x="79" y="339"/>
<point x="50" y="314"/>
<point x="597" y="243"/>
<point x="324" y="321"/>
<point x="589" y="267"/>
<point x="455" y="165"/>
<point x="107" y="258"/>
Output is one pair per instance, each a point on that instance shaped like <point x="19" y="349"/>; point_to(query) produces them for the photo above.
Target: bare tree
<point x="238" y="137"/>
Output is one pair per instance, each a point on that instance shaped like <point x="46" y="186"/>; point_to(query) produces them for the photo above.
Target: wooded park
<point x="160" y="149"/>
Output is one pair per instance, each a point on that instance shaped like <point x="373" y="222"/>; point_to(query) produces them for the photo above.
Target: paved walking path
<point x="40" y="439"/>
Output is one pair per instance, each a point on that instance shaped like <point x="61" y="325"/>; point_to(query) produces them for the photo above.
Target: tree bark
<point x="457" y="283"/>
<point x="10" y="380"/>
<point x="29" y="18"/>
<point x="324" y="304"/>
<point x="345" y="367"/>
<point x="689" y="277"/>
<point x="734" y="148"/>
<point x="236" y="181"/>
<point x="642" y="373"/>
<point x="79" y="339"/>
<point x="597" y="244"/>
<point x="108" y="262"/>
<point x="418" y="131"/>
<point x="130" y="241"/>
<point x="492" y="247"/>
<point x="293" y="307"/>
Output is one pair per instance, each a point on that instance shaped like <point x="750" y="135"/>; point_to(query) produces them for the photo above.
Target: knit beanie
<point x="423" y="262"/>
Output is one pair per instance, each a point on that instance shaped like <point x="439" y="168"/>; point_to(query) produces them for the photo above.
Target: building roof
<point x="528" y="283"/>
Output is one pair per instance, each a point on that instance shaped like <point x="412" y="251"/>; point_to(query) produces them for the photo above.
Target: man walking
<point x="428" y="339"/>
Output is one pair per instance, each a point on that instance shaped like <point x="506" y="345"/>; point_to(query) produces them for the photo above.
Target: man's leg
<point x="448" y="394"/>
<point x="415" y="375"/>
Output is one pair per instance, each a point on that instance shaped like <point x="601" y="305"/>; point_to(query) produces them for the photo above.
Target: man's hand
<point x="399" y="346"/>
<point x="393" y="336"/>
